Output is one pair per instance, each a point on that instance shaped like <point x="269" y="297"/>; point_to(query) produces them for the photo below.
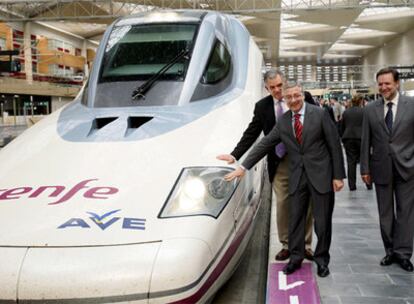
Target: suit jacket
<point x="379" y="147"/>
<point x="263" y="120"/>
<point x="320" y="153"/>
<point x="330" y="112"/>
<point x="351" y="127"/>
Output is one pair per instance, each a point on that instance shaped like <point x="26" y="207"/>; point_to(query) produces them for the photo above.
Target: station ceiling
<point x="290" y="31"/>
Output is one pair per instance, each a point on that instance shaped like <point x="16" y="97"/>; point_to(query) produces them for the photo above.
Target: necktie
<point x="388" y="117"/>
<point x="280" y="148"/>
<point x="298" y="128"/>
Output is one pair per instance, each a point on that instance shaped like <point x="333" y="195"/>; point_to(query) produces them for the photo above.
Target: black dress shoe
<point x="323" y="271"/>
<point x="291" y="267"/>
<point x="387" y="260"/>
<point x="406" y="265"/>
<point x="369" y="186"/>
<point x="282" y="255"/>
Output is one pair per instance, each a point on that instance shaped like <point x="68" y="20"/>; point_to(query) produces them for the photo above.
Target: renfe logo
<point x="56" y="191"/>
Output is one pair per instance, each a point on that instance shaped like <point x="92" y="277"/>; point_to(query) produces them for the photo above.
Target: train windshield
<point x="135" y="53"/>
<point x="138" y="52"/>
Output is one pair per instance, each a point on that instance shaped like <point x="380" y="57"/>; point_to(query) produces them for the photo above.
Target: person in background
<point x="266" y="113"/>
<point x="309" y="99"/>
<point x="347" y="105"/>
<point x="387" y="159"/>
<point x="351" y="132"/>
<point x="338" y="111"/>
<point x="325" y="104"/>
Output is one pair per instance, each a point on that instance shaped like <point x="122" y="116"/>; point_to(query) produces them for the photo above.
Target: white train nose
<point x="161" y="271"/>
<point x="11" y="260"/>
<point x="180" y="269"/>
<point x="87" y="274"/>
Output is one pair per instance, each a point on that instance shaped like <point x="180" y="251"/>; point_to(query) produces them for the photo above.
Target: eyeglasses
<point x="291" y="97"/>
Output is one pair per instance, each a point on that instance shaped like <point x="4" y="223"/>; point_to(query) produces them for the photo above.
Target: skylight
<point x="371" y="11"/>
<point x="349" y="47"/>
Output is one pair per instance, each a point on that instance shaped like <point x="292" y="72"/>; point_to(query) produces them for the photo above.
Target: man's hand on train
<point x="238" y="173"/>
<point x="226" y="157"/>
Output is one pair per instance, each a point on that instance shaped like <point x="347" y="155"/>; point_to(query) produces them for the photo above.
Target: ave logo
<point x="104" y="221"/>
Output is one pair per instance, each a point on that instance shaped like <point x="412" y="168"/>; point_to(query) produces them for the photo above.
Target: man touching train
<point x="316" y="170"/>
<point x="267" y="112"/>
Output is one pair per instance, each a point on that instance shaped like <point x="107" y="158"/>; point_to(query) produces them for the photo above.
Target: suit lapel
<point x="379" y="110"/>
<point x="291" y="132"/>
<point x="270" y="108"/>
<point x="401" y="109"/>
<point x="306" y="123"/>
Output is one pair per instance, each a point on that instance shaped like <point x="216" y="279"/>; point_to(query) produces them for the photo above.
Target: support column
<point x="28" y="69"/>
<point x="84" y="53"/>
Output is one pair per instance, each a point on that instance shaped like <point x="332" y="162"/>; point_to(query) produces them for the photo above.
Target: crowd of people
<point x="303" y="144"/>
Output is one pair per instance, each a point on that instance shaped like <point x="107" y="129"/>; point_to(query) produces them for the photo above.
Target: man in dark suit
<point x="351" y="132"/>
<point x="316" y="170"/>
<point x="387" y="158"/>
<point x="264" y="119"/>
<point x="325" y="104"/>
<point x="309" y="98"/>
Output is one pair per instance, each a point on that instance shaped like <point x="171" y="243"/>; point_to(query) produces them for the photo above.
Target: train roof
<point x="164" y="16"/>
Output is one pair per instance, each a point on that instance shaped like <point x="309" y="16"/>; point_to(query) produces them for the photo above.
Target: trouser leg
<point x="352" y="154"/>
<point x="404" y="220"/>
<point x="385" y="201"/>
<point x="298" y="208"/>
<point x="309" y="227"/>
<point x="322" y="208"/>
<point x="280" y="186"/>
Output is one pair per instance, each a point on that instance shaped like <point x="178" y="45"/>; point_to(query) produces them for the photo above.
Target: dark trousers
<point x="352" y="150"/>
<point x="397" y="220"/>
<point x="322" y="209"/>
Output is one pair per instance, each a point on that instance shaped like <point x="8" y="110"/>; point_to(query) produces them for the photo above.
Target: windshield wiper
<point x="146" y="86"/>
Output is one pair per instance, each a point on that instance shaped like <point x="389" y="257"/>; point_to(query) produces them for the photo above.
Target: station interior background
<point x="333" y="47"/>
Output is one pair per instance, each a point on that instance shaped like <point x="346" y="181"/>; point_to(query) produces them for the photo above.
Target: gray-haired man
<point x="266" y="113"/>
<point x="316" y="170"/>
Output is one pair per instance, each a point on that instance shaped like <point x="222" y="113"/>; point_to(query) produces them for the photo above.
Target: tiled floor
<point x="357" y="277"/>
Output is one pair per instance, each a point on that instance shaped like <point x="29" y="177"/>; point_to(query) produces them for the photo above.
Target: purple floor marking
<point x="297" y="288"/>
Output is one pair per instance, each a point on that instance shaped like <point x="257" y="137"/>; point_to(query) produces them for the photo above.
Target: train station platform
<point x="356" y="276"/>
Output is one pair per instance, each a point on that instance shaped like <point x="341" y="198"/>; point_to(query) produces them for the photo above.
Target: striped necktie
<point x="298" y="128"/>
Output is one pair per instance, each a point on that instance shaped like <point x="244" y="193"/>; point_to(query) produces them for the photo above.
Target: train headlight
<point x="199" y="191"/>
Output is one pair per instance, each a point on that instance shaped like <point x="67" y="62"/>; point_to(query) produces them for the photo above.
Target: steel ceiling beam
<point x="70" y="10"/>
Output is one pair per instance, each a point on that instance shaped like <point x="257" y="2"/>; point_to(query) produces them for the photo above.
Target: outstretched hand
<point x="238" y="173"/>
<point x="226" y="157"/>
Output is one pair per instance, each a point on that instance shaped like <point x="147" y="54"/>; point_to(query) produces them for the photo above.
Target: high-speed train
<point x="118" y="196"/>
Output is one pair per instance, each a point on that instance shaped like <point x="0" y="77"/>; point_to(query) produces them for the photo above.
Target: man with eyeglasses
<point x="316" y="168"/>
<point x="267" y="112"/>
